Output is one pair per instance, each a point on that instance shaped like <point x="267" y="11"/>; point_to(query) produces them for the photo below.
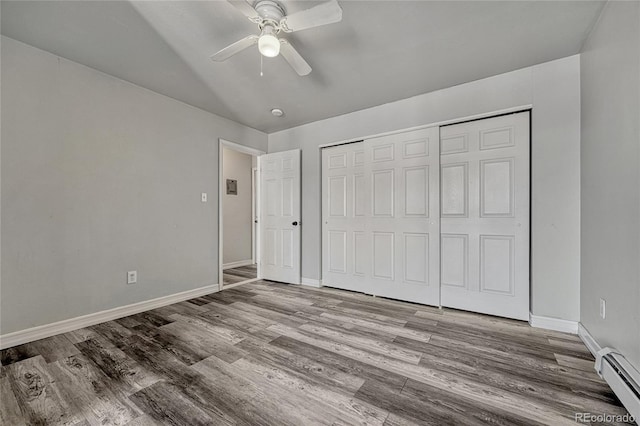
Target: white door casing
<point x="381" y="216"/>
<point x="485" y="216"/>
<point x="254" y="214"/>
<point x="280" y="207"/>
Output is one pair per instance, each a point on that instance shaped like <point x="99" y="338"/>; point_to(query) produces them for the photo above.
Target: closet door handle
<point x="295" y="223"/>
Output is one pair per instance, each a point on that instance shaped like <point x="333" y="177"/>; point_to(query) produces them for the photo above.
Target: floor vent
<point x="623" y="379"/>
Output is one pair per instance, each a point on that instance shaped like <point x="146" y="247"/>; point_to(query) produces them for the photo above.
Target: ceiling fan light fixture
<point x="268" y="43"/>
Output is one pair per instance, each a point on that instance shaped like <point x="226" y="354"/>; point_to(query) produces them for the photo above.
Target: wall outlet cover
<point x="132" y="277"/>
<point x="603" y="308"/>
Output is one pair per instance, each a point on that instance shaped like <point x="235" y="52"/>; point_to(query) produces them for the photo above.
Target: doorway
<point x="238" y="210"/>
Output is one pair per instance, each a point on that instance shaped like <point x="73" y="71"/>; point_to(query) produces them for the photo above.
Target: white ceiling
<point x="382" y="51"/>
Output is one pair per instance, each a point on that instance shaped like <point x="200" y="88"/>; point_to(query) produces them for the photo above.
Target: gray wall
<point x="236" y="217"/>
<point x="610" y="65"/>
<point x="554" y="91"/>
<point x="99" y="177"/>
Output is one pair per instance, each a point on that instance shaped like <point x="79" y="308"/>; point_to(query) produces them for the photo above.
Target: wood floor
<point x="273" y="354"/>
<point x="239" y="274"/>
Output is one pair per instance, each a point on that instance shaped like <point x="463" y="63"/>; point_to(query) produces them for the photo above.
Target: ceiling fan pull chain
<point x="261" y="73"/>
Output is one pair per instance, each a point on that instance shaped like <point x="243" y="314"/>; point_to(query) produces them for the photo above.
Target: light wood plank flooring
<point x="274" y="354"/>
<point x="239" y="274"/>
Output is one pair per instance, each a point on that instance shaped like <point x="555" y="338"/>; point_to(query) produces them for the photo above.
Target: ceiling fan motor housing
<point x="270" y="11"/>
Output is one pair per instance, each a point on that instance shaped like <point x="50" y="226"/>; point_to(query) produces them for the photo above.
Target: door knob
<point x="295" y="223"/>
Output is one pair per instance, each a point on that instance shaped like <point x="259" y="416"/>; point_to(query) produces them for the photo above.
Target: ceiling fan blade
<point x="246" y="9"/>
<point x="292" y="56"/>
<point x="322" y="14"/>
<point x="234" y="48"/>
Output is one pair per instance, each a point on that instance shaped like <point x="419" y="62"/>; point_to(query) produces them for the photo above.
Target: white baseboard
<point x="40" y="332"/>
<point x="249" y="280"/>
<point x="310" y="282"/>
<point x="555" y="324"/>
<point x="588" y="340"/>
<point x="237" y="264"/>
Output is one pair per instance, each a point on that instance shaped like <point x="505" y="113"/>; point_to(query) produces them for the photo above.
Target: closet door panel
<point x="485" y="216"/>
<point x="387" y="230"/>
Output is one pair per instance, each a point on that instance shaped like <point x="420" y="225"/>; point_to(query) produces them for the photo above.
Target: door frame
<point x="254" y="214"/>
<point x="223" y="143"/>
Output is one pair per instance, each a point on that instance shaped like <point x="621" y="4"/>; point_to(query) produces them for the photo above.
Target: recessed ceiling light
<point x="277" y="112"/>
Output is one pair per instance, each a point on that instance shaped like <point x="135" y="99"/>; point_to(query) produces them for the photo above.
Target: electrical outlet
<point x="603" y="308"/>
<point x="132" y="277"/>
<point x="204" y="197"/>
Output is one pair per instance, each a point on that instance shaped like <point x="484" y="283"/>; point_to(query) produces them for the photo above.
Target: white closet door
<point x="344" y="208"/>
<point x="404" y="226"/>
<point x="280" y="213"/>
<point x="485" y="216"/>
<point x="381" y="216"/>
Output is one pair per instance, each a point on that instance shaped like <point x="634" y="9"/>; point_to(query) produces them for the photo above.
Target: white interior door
<point x="381" y="216"/>
<point x="485" y="216"/>
<point x="280" y="216"/>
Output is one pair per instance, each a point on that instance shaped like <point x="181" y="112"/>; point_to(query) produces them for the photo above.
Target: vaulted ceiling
<point x="382" y="51"/>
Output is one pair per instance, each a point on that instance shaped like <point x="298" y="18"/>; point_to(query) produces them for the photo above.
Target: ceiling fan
<point x="272" y="20"/>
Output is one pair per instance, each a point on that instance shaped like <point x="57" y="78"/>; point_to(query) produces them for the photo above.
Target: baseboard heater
<point x="623" y="379"/>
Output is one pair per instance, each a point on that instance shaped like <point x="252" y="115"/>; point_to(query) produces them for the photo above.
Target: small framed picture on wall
<point x="232" y="187"/>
